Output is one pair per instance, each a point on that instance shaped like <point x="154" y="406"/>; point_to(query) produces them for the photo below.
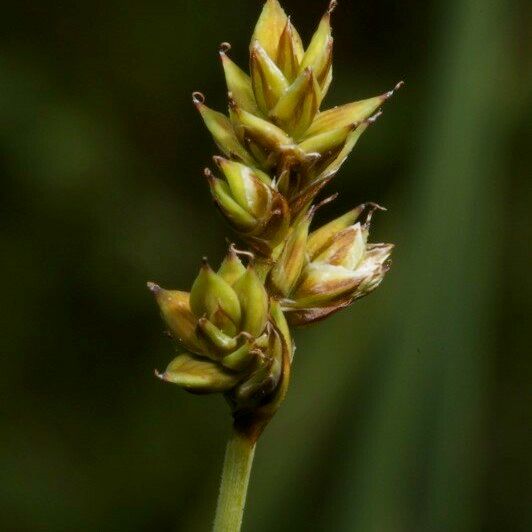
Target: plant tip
<point x="153" y="287"/>
<point x="248" y="254"/>
<point x="372" y="208"/>
<point x="198" y="98"/>
<point x="375" y="206"/>
<point x="324" y="202"/>
<point x="224" y="48"/>
<point x="389" y="94"/>
<point x="374" y="118"/>
<point x="333" y="4"/>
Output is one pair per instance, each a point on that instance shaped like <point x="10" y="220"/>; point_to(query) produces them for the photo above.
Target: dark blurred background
<point x="407" y="412"/>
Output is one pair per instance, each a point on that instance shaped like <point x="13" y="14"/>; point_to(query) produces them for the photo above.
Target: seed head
<point x="277" y="151"/>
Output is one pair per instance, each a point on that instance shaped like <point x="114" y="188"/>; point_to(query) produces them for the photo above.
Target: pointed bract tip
<point x="324" y="202"/>
<point x="372" y="208"/>
<point x="198" y="98"/>
<point x="244" y="253"/>
<point x="232" y="250"/>
<point x="372" y="119"/>
<point x="389" y="94"/>
<point x="218" y="160"/>
<point x="333" y="4"/>
<point x="311" y="212"/>
<point x="154" y="288"/>
<point x="159" y="375"/>
<point x="224" y="48"/>
<point x="375" y="206"/>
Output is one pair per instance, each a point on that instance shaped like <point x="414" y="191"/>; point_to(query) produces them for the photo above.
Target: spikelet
<point x="339" y="267"/>
<point x="232" y="333"/>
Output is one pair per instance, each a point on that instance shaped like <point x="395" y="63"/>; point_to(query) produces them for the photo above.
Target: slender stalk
<point x="234" y="485"/>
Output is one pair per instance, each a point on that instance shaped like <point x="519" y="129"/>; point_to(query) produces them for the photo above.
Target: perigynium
<point x="278" y="150"/>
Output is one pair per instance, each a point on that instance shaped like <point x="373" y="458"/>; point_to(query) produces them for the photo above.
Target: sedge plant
<point x="277" y="151"/>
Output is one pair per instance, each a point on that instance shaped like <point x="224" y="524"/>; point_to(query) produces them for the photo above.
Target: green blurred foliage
<point x="408" y="412"/>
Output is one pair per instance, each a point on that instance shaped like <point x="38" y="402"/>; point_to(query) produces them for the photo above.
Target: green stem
<point x="234" y="486"/>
